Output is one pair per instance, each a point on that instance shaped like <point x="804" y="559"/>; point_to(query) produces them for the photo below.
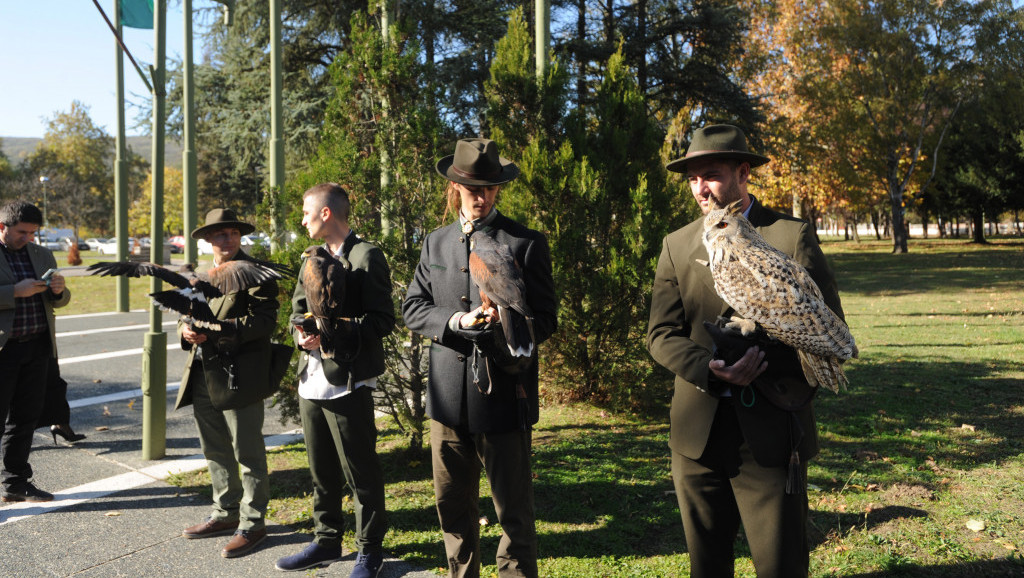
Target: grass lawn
<point x="922" y="465"/>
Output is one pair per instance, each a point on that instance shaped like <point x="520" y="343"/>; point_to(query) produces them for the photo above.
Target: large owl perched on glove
<point x="768" y="287"/>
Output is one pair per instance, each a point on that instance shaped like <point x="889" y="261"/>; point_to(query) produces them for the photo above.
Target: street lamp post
<point x="43" y="180"/>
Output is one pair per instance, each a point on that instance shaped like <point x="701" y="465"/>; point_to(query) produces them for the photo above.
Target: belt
<point x="27" y="338"/>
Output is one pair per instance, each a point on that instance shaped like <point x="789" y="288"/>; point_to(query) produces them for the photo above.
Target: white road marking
<point x="126" y="481"/>
<point x="119" y="396"/>
<point x="111" y="354"/>
<point x="105" y="313"/>
<point x="113" y="329"/>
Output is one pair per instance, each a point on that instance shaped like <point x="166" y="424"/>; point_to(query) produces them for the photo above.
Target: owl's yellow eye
<point x="722" y="225"/>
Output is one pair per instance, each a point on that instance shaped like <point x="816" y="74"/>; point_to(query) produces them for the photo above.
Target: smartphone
<point x="46" y="276"/>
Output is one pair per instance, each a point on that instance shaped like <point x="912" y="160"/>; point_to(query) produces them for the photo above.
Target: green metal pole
<point x="120" y="174"/>
<point x="276" y="124"/>
<point x="188" y="155"/>
<point x="385" y="109"/>
<point x="154" y="353"/>
<point x="542" y="36"/>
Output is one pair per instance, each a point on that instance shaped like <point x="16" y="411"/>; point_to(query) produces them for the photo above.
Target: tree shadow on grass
<point x="980" y="569"/>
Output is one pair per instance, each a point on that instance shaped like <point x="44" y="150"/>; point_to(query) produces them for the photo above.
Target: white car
<point x="95" y="242"/>
<point x="203" y="247"/>
<point x="109" y="247"/>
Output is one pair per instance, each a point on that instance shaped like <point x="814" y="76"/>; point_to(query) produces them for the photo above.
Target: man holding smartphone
<point x="27" y="342"/>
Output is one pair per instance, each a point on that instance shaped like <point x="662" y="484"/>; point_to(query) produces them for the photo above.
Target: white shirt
<point x="313" y="383"/>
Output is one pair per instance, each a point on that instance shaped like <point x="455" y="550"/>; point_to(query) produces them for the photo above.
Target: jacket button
<point x="464" y="299"/>
<point x="436" y="340"/>
<point x="462" y="358"/>
<point x="463" y="269"/>
<point x="462" y="239"/>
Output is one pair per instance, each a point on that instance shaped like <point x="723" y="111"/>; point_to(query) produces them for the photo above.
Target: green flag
<point x="137" y="13"/>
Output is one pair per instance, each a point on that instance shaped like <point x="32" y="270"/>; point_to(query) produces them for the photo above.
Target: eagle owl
<point x="767" y="286"/>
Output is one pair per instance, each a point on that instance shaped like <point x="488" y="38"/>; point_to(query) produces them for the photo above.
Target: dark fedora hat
<point x="722" y="141"/>
<point x="476" y="163"/>
<point x="222" y="219"/>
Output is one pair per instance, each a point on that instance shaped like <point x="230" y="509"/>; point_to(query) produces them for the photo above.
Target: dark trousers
<point x="341" y="444"/>
<point x="23" y="368"/>
<point x="56" y="410"/>
<point x="457" y="459"/>
<point x="725" y="487"/>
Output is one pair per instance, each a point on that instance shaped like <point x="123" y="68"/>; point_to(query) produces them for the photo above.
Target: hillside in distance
<point x="18" y="148"/>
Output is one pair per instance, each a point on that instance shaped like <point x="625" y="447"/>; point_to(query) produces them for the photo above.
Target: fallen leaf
<point x="975" y="525"/>
<point x="106" y="411"/>
<point x="843" y="548"/>
<point x="111" y="514"/>
<point x="865" y="455"/>
<point x="969" y="427"/>
<point x="872" y="487"/>
<point x="131" y="403"/>
<point x="97" y="381"/>
<point x="101" y="428"/>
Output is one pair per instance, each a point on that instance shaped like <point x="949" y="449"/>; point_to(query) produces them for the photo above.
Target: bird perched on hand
<point x="194" y="290"/>
<point x="324" y="279"/>
<point x="495" y="271"/>
<point x="769" y="288"/>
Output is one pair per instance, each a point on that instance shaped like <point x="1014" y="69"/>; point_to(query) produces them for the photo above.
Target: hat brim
<point x="509" y="172"/>
<point x="243" y="228"/>
<point x="753" y="159"/>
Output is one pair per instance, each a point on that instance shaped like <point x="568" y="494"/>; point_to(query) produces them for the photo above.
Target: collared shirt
<point x="29" y="312"/>
<point x="313" y="383"/>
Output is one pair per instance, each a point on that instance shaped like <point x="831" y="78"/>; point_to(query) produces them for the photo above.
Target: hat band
<point x="476" y="176"/>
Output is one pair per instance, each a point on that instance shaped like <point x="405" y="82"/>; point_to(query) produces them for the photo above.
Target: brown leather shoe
<point x="210" y="528"/>
<point x="243" y="542"/>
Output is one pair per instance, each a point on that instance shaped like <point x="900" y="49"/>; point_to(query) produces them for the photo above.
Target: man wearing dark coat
<point x="336" y="391"/>
<point x="226" y="378"/>
<point x="731" y="457"/>
<point x="482" y="408"/>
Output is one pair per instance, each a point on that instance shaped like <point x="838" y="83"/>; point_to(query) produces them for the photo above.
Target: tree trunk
<point x="899" y="229"/>
<point x="978" y="226"/>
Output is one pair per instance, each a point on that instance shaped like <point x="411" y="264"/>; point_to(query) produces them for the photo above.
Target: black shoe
<point x="25" y="493"/>
<point x="64" y="430"/>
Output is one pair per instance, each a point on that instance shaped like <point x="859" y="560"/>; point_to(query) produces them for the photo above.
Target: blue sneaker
<point x="314" y="556"/>
<point x="367" y="565"/>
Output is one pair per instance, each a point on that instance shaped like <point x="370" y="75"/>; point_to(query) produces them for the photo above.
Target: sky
<point x="53" y="52"/>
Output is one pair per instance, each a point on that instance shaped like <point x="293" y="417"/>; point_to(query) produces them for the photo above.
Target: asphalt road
<point x="113" y="515"/>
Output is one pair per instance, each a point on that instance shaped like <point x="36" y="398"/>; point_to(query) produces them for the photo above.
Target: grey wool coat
<point x="441" y="287"/>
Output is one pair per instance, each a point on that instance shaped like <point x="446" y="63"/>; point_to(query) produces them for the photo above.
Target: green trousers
<point x="341" y="444"/>
<point x="232" y="441"/>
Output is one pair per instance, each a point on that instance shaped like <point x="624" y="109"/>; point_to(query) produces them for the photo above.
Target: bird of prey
<point x="194" y="290"/>
<point x="495" y="271"/>
<point x="324" y="279"/>
<point x="767" y="287"/>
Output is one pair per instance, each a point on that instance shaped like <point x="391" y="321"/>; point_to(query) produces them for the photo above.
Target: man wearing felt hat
<point x="731" y="452"/>
<point x="480" y="412"/>
<point x="227" y="377"/>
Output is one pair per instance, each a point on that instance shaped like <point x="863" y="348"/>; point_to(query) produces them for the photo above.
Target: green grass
<point x="926" y="440"/>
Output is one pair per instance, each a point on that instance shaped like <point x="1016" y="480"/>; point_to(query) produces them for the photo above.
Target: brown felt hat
<point x="222" y="219"/>
<point x="722" y="141"/>
<point x="476" y="163"/>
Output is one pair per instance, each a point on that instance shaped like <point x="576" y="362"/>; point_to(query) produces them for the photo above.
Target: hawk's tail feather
<point x="823" y="371"/>
<point x="518" y="330"/>
<point x="326" y="338"/>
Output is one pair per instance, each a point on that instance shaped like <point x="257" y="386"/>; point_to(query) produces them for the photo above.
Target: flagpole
<point x="154" y="352"/>
<point x="120" y="170"/>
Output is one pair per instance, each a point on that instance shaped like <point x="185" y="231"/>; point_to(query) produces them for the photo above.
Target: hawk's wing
<point x="133" y="269"/>
<point x="494" y="269"/>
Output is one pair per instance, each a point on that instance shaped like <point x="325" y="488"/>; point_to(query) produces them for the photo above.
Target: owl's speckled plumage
<point x="765" y="285"/>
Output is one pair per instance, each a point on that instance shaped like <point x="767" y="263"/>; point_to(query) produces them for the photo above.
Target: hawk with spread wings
<point x="495" y="271"/>
<point x="324" y="279"/>
<point x="194" y="290"/>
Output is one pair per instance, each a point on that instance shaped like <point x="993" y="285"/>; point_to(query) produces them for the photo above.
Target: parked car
<point x="252" y="240"/>
<point x="176" y="243"/>
<point x="49" y="243"/>
<point x="95" y="242"/>
<point x="110" y="246"/>
<point x="65" y="243"/>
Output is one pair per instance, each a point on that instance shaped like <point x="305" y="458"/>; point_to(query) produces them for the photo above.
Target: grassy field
<point x="922" y="464"/>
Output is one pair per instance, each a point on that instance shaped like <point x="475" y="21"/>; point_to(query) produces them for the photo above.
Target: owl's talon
<point x="746" y="326"/>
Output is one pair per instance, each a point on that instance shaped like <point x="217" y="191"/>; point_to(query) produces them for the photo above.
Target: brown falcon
<point x="495" y="271"/>
<point x="323" y="279"/>
<point x="194" y="290"/>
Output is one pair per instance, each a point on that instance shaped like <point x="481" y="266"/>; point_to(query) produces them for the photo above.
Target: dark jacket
<point x="441" y="287"/>
<point x="683" y="297"/>
<point x="255" y="313"/>
<point x="367" y="303"/>
<point x="42" y="259"/>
